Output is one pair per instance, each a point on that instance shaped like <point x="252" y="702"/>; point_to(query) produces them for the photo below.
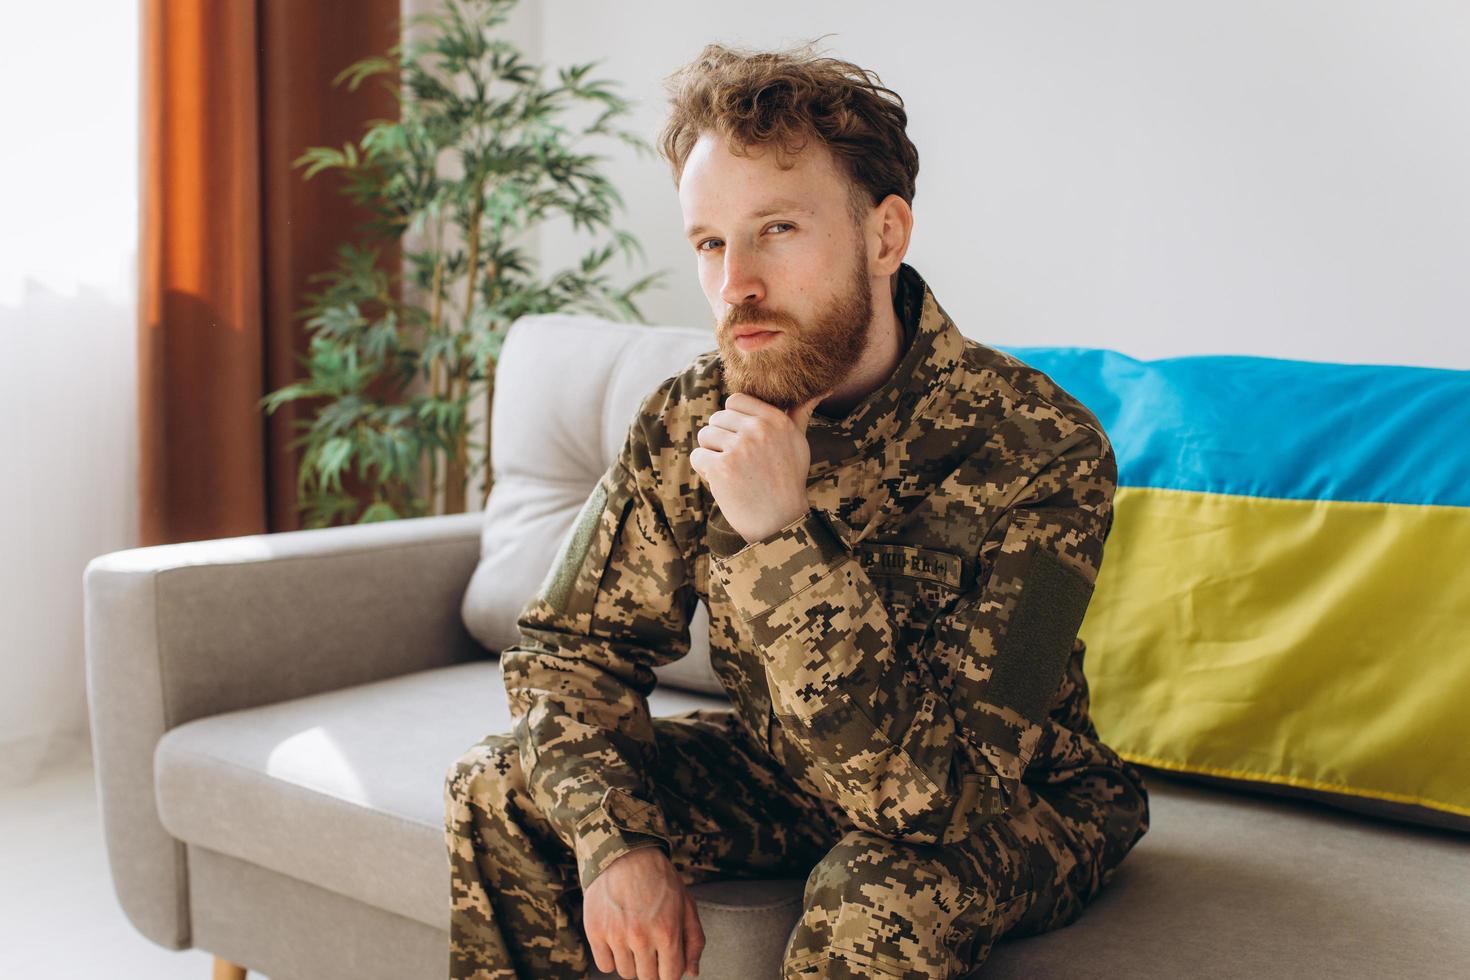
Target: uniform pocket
<point x="915" y="603"/>
<point x="981" y="800"/>
<point x="1022" y="879"/>
<point x="999" y="889"/>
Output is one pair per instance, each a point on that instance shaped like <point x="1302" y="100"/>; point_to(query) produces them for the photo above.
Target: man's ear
<point x="895" y="226"/>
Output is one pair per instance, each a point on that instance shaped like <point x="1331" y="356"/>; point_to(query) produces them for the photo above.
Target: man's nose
<point x="742" y="280"/>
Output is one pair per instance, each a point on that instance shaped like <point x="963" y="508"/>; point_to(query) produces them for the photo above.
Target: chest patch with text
<point x="911" y="560"/>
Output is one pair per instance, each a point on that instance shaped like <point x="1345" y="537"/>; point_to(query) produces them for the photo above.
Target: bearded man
<point x="896" y="531"/>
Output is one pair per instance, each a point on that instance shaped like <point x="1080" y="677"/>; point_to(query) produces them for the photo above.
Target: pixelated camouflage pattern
<point x="903" y="665"/>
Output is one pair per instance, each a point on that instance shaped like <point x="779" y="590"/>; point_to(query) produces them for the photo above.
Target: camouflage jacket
<point x="907" y="649"/>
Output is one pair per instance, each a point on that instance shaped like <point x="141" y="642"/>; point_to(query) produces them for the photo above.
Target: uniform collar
<point x="935" y="348"/>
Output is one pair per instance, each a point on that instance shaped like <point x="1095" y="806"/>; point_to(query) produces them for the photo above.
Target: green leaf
<point x="378" y="510"/>
<point x="355" y="73"/>
<point x="334" y="456"/>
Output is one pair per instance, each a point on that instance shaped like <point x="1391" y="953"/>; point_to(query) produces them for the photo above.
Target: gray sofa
<point x="274" y="716"/>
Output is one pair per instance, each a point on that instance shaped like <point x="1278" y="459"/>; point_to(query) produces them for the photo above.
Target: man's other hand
<point x="640" y="920"/>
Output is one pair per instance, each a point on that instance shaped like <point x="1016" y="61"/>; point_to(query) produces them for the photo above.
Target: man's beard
<point x="810" y="357"/>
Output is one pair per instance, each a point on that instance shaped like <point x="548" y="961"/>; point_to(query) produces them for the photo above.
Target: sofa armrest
<point x="181" y="631"/>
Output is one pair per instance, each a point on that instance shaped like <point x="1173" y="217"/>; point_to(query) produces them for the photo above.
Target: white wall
<point x="68" y="391"/>
<point x="1285" y="179"/>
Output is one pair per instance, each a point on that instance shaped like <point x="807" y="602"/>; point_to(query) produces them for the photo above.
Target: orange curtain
<point x="233" y="91"/>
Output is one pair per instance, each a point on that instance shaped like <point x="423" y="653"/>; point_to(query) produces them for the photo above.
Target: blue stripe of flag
<point x="1275" y="427"/>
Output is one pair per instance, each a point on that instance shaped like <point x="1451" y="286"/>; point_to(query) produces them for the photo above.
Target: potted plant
<point x="478" y="157"/>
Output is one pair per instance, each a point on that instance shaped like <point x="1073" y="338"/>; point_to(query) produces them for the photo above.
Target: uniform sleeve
<point x="908" y="755"/>
<point x="616" y="602"/>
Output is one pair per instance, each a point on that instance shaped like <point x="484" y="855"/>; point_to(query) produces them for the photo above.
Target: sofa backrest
<point x="566" y="389"/>
<point x="1283" y="601"/>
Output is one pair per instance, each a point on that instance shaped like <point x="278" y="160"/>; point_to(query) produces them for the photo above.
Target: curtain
<point x="232" y="92"/>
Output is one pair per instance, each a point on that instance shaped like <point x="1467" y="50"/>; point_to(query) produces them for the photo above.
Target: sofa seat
<point x="345" y="791"/>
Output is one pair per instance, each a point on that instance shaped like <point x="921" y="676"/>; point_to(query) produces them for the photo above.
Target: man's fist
<point x="755" y="459"/>
<point x="640" y="920"/>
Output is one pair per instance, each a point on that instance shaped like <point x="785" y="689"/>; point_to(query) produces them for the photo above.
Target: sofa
<point x="273" y="718"/>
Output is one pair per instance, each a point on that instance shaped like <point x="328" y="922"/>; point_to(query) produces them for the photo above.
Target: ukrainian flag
<point x="1285" y="593"/>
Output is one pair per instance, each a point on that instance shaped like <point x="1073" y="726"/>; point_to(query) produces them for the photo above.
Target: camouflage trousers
<point x="873" y="906"/>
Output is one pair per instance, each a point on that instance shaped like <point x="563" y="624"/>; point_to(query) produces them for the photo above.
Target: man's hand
<point x="755" y="459"/>
<point x="640" y="919"/>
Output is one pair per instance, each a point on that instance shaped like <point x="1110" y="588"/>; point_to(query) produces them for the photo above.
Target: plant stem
<point x="489" y="403"/>
<point x="436" y="313"/>
<point x="457" y="471"/>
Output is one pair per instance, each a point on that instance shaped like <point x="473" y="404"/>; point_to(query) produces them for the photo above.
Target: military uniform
<point x="910" y="728"/>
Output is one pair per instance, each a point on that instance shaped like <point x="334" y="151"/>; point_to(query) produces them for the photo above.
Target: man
<point x="896" y="531"/>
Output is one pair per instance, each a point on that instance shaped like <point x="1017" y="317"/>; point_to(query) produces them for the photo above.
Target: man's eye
<point x="778" y="224"/>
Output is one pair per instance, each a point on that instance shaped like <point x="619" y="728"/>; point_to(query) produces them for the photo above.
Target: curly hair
<point x="784" y="98"/>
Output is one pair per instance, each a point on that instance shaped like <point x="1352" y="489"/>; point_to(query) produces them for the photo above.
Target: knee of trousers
<point x="482" y="780"/>
<point x="881" y="907"/>
<point x="1127" y="823"/>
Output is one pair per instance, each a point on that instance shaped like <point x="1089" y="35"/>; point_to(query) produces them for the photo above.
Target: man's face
<point x="778" y="250"/>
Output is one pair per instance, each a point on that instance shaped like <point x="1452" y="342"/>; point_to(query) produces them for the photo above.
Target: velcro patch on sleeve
<point x="571" y="582"/>
<point x="1038" y="641"/>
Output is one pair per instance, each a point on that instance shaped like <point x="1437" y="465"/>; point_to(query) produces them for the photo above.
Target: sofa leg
<point x="225" y="970"/>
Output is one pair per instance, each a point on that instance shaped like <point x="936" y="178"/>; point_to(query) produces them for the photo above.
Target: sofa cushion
<point x="566" y="390"/>
<point x="345" y="790"/>
<point x="1238" y="884"/>
<point x="1284" y="598"/>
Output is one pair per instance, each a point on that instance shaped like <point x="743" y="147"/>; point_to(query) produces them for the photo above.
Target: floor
<point x="61" y="919"/>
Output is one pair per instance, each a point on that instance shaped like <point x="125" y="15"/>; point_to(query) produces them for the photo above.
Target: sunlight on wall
<point x="68" y="391"/>
<point x="70" y="158"/>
